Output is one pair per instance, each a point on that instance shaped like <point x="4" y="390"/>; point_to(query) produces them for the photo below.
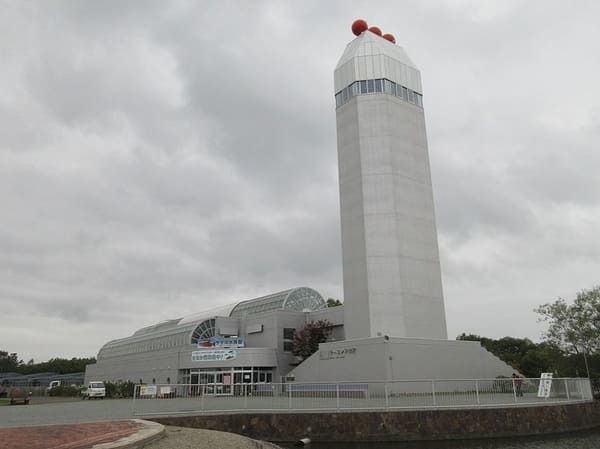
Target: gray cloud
<point x="161" y="160"/>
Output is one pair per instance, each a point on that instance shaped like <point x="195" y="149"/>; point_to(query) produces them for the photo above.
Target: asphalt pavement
<point x="76" y="411"/>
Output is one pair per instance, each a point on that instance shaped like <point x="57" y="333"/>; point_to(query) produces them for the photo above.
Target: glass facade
<point x="226" y="381"/>
<point x="376" y="86"/>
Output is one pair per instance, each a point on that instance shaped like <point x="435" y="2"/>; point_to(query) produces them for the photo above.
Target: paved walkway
<point x="69" y="436"/>
<point x="107" y="424"/>
<point x="122" y="434"/>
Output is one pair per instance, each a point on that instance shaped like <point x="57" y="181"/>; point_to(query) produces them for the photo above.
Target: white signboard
<point x="545" y="385"/>
<point x="214" y="355"/>
<point x="148" y="390"/>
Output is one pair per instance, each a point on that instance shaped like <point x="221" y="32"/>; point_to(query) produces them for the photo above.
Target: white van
<point x="54" y="383"/>
<point x="95" y="389"/>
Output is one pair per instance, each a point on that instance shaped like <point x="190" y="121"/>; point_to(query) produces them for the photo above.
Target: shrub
<point x="65" y="391"/>
<point x="119" y="389"/>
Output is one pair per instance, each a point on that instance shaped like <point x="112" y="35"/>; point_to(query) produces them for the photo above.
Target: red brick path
<point x="69" y="436"/>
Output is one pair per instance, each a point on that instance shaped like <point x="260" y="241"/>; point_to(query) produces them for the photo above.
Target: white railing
<point x="347" y="396"/>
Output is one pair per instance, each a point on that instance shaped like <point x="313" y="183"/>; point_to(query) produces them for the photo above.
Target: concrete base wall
<point x="383" y="359"/>
<point x="417" y="425"/>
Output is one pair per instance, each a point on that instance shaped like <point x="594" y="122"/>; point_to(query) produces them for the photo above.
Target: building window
<point x="376" y="86"/>
<point x="203" y="331"/>
<point x="419" y="100"/>
<point x="405" y="93"/>
<point x="288" y="339"/>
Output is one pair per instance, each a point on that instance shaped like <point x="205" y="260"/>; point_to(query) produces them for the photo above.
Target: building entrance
<point x="226" y="381"/>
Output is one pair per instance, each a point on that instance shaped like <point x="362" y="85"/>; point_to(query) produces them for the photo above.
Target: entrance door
<point x="194" y="388"/>
<point x="223" y="383"/>
<point x="207" y="382"/>
<point x="214" y="382"/>
<point x="227" y="384"/>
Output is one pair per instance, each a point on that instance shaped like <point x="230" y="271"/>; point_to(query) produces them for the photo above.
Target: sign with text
<point x="148" y="390"/>
<point x="336" y="353"/>
<point x="214" y="355"/>
<point x="545" y="385"/>
<point x="222" y="342"/>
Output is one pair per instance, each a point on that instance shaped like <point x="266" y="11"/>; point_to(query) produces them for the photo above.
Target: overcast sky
<point x="162" y="158"/>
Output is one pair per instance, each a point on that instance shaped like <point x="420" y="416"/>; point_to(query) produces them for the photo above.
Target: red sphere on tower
<point x="389" y="37"/>
<point x="375" y="30"/>
<point x="359" y="26"/>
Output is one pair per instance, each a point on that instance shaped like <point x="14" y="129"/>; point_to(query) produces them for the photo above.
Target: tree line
<point x="531" y="359"/>
<point x="10" y="363"/>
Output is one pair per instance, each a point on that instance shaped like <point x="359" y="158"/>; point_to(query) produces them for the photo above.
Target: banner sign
<point x="545" y="385"/>
<point x="214" y="355"/>
<point x="222" y="342"/>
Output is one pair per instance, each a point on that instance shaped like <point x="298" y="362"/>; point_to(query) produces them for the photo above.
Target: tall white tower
<point x="391" y="263"/>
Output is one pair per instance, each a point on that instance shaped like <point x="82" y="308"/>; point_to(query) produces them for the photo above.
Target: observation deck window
<point x="379" y="85"/>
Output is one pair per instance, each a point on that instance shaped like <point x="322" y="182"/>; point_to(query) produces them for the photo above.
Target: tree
<point x="306" y="341"/>
<point x="9" y="362"/>
<point x="575" y="327"/>
<point x="522" y="354"/>
<point x="332" y="302"/>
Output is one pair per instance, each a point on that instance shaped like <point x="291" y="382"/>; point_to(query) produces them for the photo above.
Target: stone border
<point x="406" y="425"/>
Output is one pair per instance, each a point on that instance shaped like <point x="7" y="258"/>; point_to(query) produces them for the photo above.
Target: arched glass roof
<point x="296" y="299"/>
<point x="204" y="331"/>
<point x="200" y="326"/>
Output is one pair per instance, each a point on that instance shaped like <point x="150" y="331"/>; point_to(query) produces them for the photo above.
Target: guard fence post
<point x="387" y="395"/>
<point x="133" y="404"/>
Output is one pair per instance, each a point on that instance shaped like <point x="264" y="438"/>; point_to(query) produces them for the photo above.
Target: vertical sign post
<point x="545" y="385"/>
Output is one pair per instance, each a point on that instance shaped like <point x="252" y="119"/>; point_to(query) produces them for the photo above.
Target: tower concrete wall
<point x="391" y="266"/>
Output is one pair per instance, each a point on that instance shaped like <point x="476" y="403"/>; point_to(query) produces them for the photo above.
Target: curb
<point x="150" y="431"/>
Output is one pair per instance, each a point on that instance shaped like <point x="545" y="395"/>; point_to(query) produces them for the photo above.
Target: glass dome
<point x="297" y="299"/>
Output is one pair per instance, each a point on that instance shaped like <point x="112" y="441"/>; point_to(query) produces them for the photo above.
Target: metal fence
<point x="350" y="396"/>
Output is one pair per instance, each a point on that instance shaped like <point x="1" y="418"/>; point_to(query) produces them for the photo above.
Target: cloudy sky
<point x="162" y="158"/>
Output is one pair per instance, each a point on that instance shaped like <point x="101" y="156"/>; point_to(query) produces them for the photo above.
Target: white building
<point x="247" y="342"/>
